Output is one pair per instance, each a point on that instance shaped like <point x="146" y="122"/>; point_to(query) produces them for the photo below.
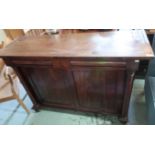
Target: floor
<point x="12" y="114"/>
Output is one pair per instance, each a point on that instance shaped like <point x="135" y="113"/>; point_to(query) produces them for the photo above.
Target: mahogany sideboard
<point x="91" y="72"/>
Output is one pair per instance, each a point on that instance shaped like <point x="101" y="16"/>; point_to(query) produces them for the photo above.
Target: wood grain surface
<point x="130" y="44"/>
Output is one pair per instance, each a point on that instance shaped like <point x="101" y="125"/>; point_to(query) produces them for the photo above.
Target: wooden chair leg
<point x="22" y="104"/>
<point x="15" y="94"/>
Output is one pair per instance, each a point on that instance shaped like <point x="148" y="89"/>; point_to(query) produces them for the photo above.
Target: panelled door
<point x="53" y="87"/>
<point x="100" y="88"/>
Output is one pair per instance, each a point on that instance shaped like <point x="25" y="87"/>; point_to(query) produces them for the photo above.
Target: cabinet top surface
<point x="130" y="44"/>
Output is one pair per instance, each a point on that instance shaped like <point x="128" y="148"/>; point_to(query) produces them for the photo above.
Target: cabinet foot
<point x="36" y="108"/>
<point x="123" y="120"/>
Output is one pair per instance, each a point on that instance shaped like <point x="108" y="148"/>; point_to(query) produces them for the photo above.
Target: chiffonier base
<point x="101" y="86"/>
<point x="89" y="72"/>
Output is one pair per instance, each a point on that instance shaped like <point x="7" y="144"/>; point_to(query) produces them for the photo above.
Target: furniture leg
<point x="35" y="108"/>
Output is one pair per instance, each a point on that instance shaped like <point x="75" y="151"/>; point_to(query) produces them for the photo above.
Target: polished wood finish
<point x="90" y="72"/>
<point x="95" y="45"/>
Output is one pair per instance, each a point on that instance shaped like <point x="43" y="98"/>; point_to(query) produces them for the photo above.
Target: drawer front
<point x="98" y="63"/>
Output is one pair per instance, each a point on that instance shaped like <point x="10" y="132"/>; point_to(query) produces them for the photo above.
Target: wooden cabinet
<point x="88" y="85"/>
<point x="84" y="72"/>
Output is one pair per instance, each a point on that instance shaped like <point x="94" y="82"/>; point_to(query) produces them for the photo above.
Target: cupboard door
<point x="51" y="86"/>
<point x="100" y="89"/>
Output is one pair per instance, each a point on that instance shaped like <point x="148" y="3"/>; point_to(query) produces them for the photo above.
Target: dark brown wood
<point x="131" y="68"/>
<point x="117" y="44"/>
<point x="99" y="92"/>
<point x="90" y="72"/>
<point x="55" y="86"/>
